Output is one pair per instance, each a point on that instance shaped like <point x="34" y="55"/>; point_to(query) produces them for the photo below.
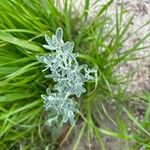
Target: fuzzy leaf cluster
<point x="69" y="76"/>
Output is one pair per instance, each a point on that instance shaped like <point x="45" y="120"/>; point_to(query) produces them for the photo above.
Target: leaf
<point x="48" y="40"/>
<point x="20" y="42"/>
<point x="59" y="34"/>
<point x="40" y="58"/>
<point x="13" y="97"/>
<point x="44" y="97"/>
<point x="68" y="46"/>
<point x="49" y="47"/>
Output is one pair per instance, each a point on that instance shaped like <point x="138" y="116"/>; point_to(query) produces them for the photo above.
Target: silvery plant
<point x="69" y="77"/>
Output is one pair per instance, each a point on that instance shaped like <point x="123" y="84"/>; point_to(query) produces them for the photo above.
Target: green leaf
<point x="20" y="42"/>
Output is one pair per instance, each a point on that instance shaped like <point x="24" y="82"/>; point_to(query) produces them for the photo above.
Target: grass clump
<point x="23" y="25"/>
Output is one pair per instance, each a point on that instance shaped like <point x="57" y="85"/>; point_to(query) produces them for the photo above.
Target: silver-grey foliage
<point x="69" y="76"/>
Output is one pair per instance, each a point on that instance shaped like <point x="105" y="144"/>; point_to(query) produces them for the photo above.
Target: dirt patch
<point x="140" y="81"/>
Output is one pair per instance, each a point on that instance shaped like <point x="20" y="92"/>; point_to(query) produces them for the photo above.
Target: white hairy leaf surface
<point x="68" y="75"/>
